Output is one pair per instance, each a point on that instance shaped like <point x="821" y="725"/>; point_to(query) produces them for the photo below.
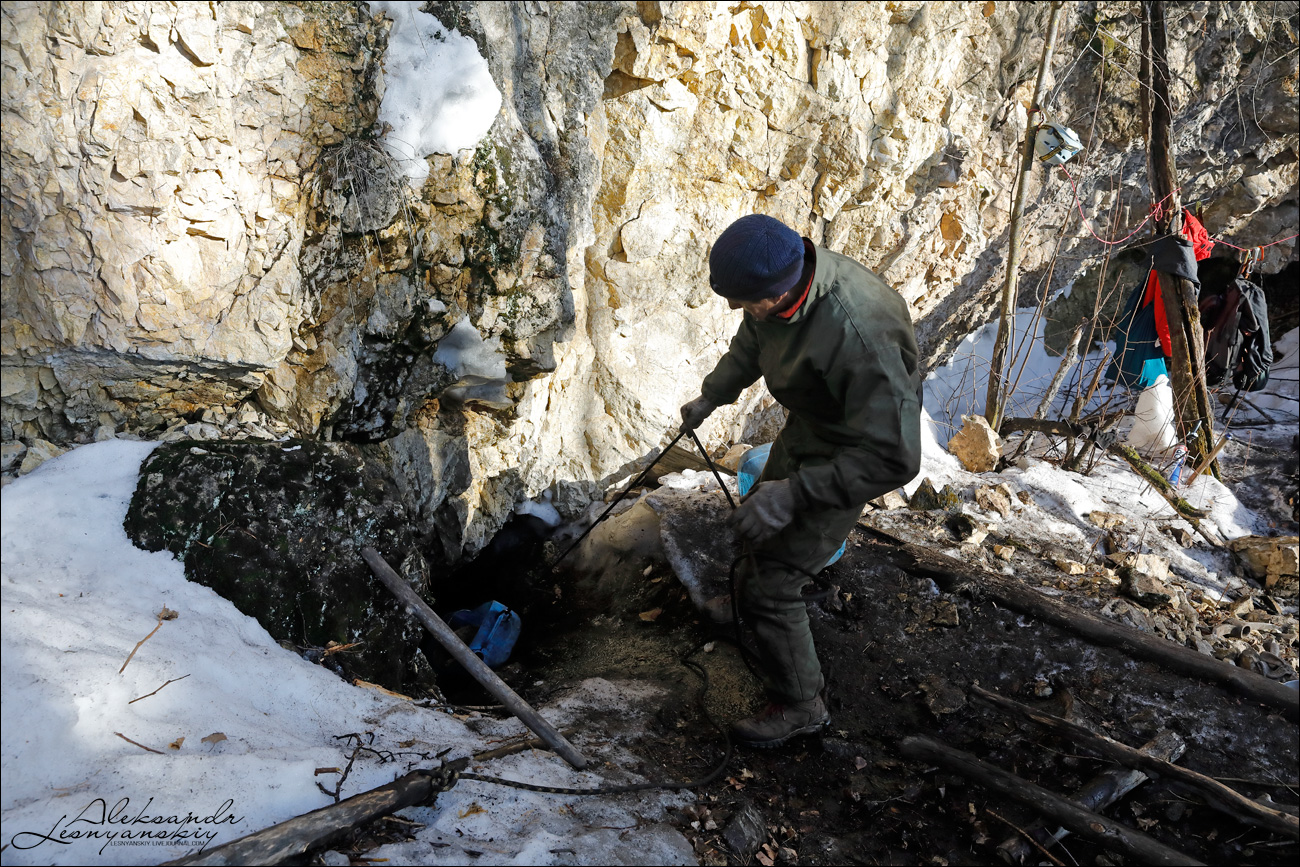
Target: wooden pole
<point x="1187" y="359"/>
<point x="948" y="572"/>
<point x="996" y="395"/>
<point x="1215" y="793"/>
<point x="311" y="830"/>
<point x="476" y="667"/>
<point x="1085" y="823"/>
<point x="1097" y="794"/>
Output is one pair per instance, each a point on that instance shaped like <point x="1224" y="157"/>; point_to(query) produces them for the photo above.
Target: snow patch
<point x="479" y="365"/>
<point x="439" y="96"/>
<point x="541" y="507"/>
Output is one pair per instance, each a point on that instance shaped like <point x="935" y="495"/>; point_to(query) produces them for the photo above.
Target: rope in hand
<point x="446" y="777"/>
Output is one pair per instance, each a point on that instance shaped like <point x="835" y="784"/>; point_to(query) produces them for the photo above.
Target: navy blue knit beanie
<point x="756" y="257"/>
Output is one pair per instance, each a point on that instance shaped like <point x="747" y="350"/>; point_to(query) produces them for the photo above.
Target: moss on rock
<point x="277" y="528"/>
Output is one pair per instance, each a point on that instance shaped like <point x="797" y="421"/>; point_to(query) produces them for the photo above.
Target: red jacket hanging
<point x="1196" y="233"/>
<point x="1153" y="295"/>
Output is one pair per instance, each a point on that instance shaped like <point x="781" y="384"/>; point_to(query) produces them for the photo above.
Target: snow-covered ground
<point x="77" y="597"/>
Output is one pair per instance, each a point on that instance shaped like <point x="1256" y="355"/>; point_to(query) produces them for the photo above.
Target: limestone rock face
<point x="154" y="160"/>
<point x="199" y="211"/>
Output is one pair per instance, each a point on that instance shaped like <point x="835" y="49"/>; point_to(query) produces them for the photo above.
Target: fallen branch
<point x="949" y="572"/>
<point x="511" y="749"/>
<point x="138" y="744"/>
<point x="1097" y="794"/>
<point x="159" y="689"/>
<point x="1149" y="473"/>
<point x="1085" y="823"/>
<point x="312" y="830"/>
<point x="165" y="614"/>
<point x="471" y="663"/>
<point x="1219" y="796"/>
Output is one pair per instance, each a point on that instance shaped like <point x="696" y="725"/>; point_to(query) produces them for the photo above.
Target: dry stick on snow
<point x="131" y="655"/>
<point x="138" y="744"/>
<point x="159" y="689"/>
<point x="1097" y="794"/>
<point x="1219" y="796"/>
<point x="1068" y="358"/>
<point x="949" y="572"/>
<point x="1085" y="823"/>
<point x="511" y="749"/>
<point x="165" y="614"/>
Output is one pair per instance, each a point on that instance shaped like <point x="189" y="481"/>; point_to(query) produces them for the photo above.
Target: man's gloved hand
<point x="768" y="510"/>
<point x="695" y="412"/>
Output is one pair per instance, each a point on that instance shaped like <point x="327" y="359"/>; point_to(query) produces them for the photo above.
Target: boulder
<point x="1142" y="578"/>
<point x="1273" y="560"/>
<point x="976" y="445"/>
<point x="38" y="453"/>
<point x="277" y="529"/>
<point x="926" y="498"/>
<point x="995" y="498"/>
<point x="890" y="501"/>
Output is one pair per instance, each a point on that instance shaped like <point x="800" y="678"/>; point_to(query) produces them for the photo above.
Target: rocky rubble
<point x="1252" y="624"/>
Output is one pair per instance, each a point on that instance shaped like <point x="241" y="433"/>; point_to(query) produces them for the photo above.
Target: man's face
<point x="764" y="307"/>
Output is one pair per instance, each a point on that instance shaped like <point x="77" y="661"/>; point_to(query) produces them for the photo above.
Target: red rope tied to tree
<point x="1157" y="212"/>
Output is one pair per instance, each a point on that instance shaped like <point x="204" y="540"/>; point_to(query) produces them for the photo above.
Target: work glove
<point x="695" y="412"/>
<point x="767" y="510"/>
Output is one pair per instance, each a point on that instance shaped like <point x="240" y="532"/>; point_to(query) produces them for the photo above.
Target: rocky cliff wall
<point x="200" y="214"/>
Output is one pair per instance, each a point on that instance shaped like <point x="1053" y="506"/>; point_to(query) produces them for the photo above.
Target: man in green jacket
<point x="836" y="348"/>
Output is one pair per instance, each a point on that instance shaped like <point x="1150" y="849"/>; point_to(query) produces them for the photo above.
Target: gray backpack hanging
<point x="1237" y="343"/>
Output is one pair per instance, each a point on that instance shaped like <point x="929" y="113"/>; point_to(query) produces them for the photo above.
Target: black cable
<point x="619" y="499"/>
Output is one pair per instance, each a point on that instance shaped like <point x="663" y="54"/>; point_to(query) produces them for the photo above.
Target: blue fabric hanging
<point x="1139" y="358"/>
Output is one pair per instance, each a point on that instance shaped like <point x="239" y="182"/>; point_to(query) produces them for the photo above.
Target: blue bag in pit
<point x="498" y="630"/>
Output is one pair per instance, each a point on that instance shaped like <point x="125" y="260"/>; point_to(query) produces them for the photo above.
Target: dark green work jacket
<point x="845" y="366"/>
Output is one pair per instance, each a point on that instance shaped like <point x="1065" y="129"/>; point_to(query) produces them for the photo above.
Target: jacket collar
<point x="821" y="279"/>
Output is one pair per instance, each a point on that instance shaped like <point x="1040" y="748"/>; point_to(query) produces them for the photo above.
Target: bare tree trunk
<point x="997" y="387"/>
<point x="1187" y="361"/>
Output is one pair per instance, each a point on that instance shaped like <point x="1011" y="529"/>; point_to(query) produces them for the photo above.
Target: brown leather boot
<point x="778" y="723"/>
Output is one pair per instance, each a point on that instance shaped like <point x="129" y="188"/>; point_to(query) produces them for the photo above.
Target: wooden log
<point x="1085" y="823"/>
<point x="1097" y="794"/>
<point x="949" y="572"/>
<point x="1218" y="795"/>
<point x="476" y="667"/>
<point x="312" y="830"/>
